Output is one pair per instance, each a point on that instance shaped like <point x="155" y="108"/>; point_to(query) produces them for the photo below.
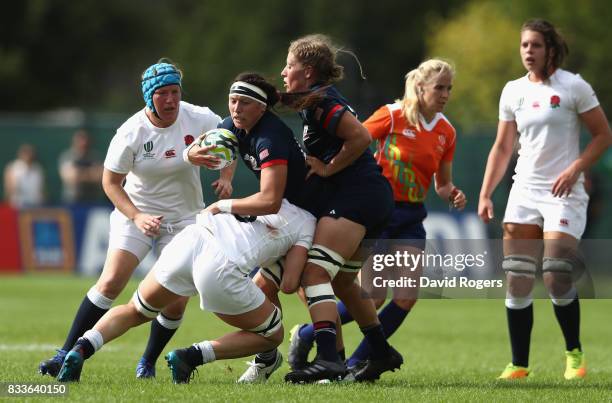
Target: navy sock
<point x="375" y="337"/>
<point x="158" y="338"/>
<point x="306" y="332"/>
<point x="520" y="322"/>
<point x="345" y="316"/>
<point x="85" y="347"/>
<point x="194" y="356"/>
<point x="85" y="319"/>
<point x="325" y="337"/>
<point x="391" y="317"/>
<point x="568" y="317"/>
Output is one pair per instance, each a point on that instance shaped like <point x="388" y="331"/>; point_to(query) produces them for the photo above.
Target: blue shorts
<point x="406" y="222"/>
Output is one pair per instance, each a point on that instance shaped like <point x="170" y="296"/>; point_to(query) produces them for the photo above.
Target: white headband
<point x="250" y="91"/>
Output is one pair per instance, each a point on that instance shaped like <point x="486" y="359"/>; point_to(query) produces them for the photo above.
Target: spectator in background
<point x="81" y="171"/>
<point x="24" y="179"/>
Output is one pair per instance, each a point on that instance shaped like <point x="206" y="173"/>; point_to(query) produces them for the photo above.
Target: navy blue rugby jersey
<point x="271" y="142"/>
<point x="320" y="138"/>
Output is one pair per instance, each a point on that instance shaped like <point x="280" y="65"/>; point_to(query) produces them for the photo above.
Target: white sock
<point x="170" y="324"/>
<point x="98" y="299"/>
<point x="208" y="354"/>
<point x="95" y="338"/>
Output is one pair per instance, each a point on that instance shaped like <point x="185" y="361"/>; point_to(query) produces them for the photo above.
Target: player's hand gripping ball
<point x="226" y="145"/>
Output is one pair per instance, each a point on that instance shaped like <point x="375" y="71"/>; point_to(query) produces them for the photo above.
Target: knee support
<point x="316" y="294"/>
<point x="274" y="272"/>
<point x="143" y="307"/>
<point x="520" y="265"/>
<point x="270" y="325"/>
<point x="351" y="266"/>
<point x="557" y="265"/>
<point x="326" y="258"/>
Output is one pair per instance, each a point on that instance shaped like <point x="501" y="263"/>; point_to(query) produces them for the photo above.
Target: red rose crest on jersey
<point x="188" y="139"/>
<point x="564" y="222"/>
<point x="555" y="101"/>
<point x="170" y="153"/>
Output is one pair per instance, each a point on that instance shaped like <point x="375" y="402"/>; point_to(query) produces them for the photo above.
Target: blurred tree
<point x="89" y="54"/>
<point x="482" y="42"/>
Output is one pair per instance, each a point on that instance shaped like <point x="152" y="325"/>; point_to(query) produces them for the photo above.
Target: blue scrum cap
<point x="157" y="76"/>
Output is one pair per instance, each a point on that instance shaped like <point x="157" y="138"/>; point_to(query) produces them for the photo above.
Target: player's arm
<point x="223" y="186"/>
<point x="443" y="180"/>
<point x="112" y="185"/>
<point x="497" y="163"/>
<point x="267" y="201"/>
<point x="597" y="124"/>
<point x="295" y="260"/>
<point x="356" y="140"/>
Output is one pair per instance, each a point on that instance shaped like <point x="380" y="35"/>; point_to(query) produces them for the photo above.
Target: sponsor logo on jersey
<point x="409" y="133"/>
<point x="148" y="146"/>
<point x="564" y="222"/>
<point x="188" y="139"/>
<point x="535" y="105"/>
<point x="442" y="139"/>
<point x="264" y="153"/>
<point x="555" y="101"/>
<point x="520" y="103"/>
<point x="170" y="153"/>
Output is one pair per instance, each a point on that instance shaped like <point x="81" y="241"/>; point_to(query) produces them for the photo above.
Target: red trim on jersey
<point x="273" y="162"/>
<point x="330" y="115"/>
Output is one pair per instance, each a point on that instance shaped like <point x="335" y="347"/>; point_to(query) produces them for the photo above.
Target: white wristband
<point x="225" y="205"/>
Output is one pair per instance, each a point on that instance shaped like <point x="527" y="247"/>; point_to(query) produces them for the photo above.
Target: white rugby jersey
<point x="158" y="181"/>
<point x="547" y="119"/>
<point x="262" y="241"/>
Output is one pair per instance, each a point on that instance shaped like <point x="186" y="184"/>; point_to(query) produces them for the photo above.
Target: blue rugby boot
<point x="145" y="369"/>
<point x="52" y="365"/>
<point x="71" y="369"/>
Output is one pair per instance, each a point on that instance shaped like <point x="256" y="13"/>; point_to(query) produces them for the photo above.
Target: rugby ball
<point x="226" y="145"/>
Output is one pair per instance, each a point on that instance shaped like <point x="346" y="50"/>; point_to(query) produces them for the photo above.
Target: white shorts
<point x="194" y="264"/>
<point x="540" y="207"/>
<point x="125" y="235"/>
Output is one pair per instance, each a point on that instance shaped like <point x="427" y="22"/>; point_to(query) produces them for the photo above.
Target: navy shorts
<point x="407" y="223"/>
<point x="367" y="201"/>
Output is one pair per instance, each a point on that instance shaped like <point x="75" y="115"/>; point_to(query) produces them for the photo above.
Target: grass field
<point x="453" y="351"/>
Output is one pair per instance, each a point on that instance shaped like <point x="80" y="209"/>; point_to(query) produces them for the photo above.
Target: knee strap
<point x="519" y="265"/>
<point x="270" y="325"/>
<point x="557" y="265"/>
<point x="316" y="294"/>
<point x="326" y="258"/>
<point x="352" y="266"/>
<point x="274" y="272"/>
<point x="143" y="307"/>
